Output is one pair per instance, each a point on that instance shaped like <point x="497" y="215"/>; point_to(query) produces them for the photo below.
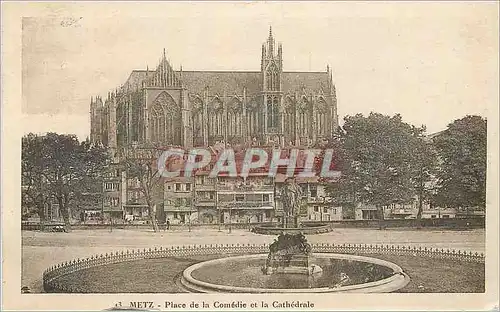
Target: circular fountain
<point x="290" y="267"/>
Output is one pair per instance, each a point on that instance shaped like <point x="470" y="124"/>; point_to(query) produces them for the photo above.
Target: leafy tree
<point x="425" y="166"/>
<point x="377" y="160"/>
<point x="141" y="164"/>
<point x="34" y="189"/>
<point x="462" y="163"/>
<point x="57" y="166"/>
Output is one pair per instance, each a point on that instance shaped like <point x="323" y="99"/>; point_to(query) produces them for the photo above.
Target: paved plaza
<point x="41" y="250"/>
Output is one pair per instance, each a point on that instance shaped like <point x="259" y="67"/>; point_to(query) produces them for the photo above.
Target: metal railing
<point x="51" y="275"/>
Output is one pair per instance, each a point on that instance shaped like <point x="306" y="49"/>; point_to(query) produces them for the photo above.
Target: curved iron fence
<point x="53" y="273"/>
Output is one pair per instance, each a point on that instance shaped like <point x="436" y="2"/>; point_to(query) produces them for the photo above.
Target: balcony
<point x="179" y="209"/>
<point x="247" y="205"/>
<point x="204" y="202"/>
<point x="205" y="187"/>
<point x="245" y="188"/>
<point x="402" y="211"/>
<point x="111" y="208"/>
<point x="318" y="200"/>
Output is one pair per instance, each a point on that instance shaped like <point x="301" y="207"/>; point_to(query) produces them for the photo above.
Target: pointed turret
<point x="164" y="75"/>
<point x="270" y="42"/>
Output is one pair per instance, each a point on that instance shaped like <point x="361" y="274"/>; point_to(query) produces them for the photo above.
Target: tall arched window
<point x="197" y="117"/>
<point x="304" y="117"/>
<point x="234" y="116"/>
<point x="321" y="117"/>
<point x="165" y="120"/>
<point x="272" y="112"/>
<point x="289" y="118"/>
<point x="272" y="78"/>
<point x="216" y="119"/>
<point x="255" y="114"/>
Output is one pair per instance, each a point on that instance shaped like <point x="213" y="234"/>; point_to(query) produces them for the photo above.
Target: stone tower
<point x="96" y="127"/>
<point x="271" y="71"/>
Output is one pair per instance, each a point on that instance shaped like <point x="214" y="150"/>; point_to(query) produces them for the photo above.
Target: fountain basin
<point x="242" y="274"/>
<point x="306" y="229"/>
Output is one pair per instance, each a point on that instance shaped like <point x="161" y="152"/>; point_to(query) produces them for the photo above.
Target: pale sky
<point x="431" y="62"/>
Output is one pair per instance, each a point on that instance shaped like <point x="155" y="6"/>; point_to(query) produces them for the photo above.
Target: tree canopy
<point x="378" y="157"/>
<point x="384" y="161"/>
<point x="461" y="178"/>
<point x="59" y="167"/>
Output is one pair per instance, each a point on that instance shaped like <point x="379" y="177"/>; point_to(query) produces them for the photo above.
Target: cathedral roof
<point x="308" y="81"/>
<point x="220" y="81"/>
<point x="234" y="81"/>
<point x="136" y="77"/>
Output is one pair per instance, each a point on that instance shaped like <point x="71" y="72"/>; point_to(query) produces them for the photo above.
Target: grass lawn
<point x="427" y="275"/>
<point x="430" y="275"/>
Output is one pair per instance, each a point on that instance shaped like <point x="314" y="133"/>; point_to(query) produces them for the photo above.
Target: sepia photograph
<point x="256" y="155"/>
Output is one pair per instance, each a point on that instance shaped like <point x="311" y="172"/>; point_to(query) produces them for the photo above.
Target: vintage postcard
<point x="207" y="156"/>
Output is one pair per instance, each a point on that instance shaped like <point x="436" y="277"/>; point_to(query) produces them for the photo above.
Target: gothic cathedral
<point x="167" y="107"/>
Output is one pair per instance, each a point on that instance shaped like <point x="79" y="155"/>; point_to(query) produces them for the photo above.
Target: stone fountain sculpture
<point x="290" y="253"/>
<point x="291" y="195"/>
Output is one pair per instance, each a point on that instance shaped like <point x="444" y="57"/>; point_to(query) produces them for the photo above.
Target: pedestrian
<point x="168" y="224"/>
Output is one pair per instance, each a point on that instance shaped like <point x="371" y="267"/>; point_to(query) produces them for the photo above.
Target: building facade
<point x="200" y="108"/>
<point x="167" y="107"/>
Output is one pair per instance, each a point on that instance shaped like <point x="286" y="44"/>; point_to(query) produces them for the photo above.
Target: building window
<point x="446" y="216"/>
<point x="176" y="215"/>
<point x="433" y="216"/>
<point x="266" y="197"/>
<point x="188" y="187"/>
<point x="211" y="195"/>
<point x="334" y="211"/>
<point x="268" y="214"/>
<point x="313" y="191"/>
<point x="316" y="209"/>
<point x="177" y="187"/>
<point x="272" y="112"/>
<point x="325" y="210"/>
<point x="304" y="190"/>
<point x="164" y="120"/>
<point x="240" y="197"/>
<point x="109" y="186"/>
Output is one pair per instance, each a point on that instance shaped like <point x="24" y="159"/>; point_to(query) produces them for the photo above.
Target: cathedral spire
<point x="270" y="41"/>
